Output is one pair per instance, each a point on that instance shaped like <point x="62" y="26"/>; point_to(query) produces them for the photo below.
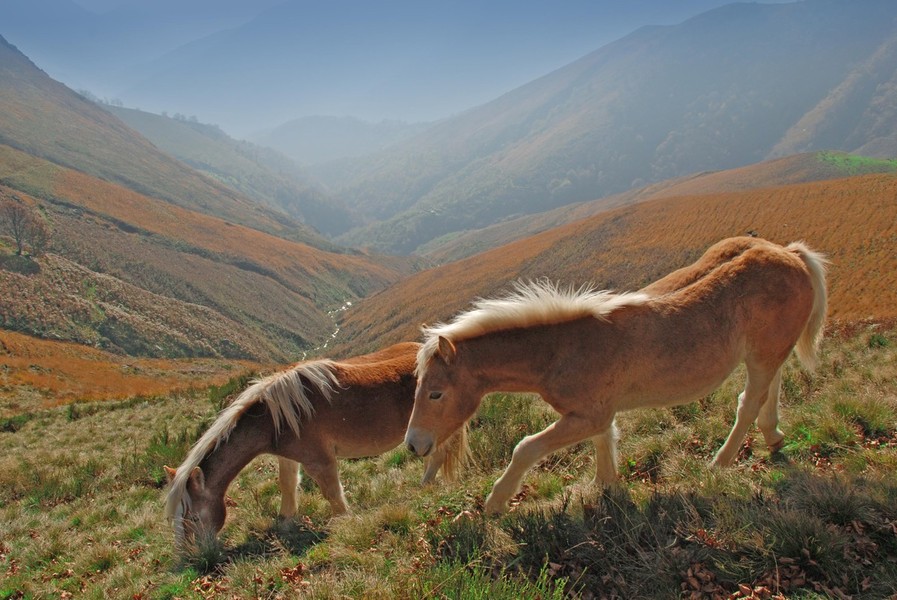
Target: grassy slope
<point x="853" y="220"/>
<point x="798" y="168"/>
<point x="84" y="519"/>
<point x="187" y="257"/>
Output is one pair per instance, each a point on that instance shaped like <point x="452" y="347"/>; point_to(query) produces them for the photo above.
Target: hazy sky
<point x="251" y="64"/>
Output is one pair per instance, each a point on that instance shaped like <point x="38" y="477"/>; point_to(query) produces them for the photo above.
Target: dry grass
<point x="81" y="497"/>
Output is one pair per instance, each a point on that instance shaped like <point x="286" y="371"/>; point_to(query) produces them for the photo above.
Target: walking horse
<point x="591" y="354"/>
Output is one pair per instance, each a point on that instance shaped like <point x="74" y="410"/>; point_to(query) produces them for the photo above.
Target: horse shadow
<point x="294" y="536"/>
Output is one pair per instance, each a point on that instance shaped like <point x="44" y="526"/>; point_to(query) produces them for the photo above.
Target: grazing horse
<point x="313" y="414"/>
<point x="591" y="354"/>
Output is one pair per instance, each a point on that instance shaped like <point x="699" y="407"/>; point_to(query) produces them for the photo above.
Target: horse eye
<point x="435" y="395"/>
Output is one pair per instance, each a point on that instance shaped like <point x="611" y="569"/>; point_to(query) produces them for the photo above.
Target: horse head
<point x="445" y="397"/>
<point x="199" y="514"/>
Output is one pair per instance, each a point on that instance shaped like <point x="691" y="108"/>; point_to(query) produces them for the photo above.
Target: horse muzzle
<point x="419" y="442"/>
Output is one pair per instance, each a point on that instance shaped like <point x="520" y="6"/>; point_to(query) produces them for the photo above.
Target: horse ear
<point x="169" y="472"/>
<point x="197" y="479"/>
<point x="446" y="350"/>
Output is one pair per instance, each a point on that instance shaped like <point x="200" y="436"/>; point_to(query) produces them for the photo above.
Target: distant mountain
<point x="853" y="220"/>
<point x="404" y="59"/>
<point x="147" y="256"/>
<point x="102" y="50"/>
<point x="728" y="88"/>
<point x="798" y="168"/>
<point x="262" y="174"/>
<point x="42" y="117"/>
<point x="315" y="140"/>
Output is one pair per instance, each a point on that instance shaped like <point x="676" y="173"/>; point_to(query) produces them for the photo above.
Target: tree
<point x="24" y="225"/>
<point x="14" y="219"/>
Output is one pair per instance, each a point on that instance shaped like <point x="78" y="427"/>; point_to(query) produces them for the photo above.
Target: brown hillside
<point x="38" y="373"/>
<point x="44" y="118"/>
<point x="853" y="220"/>
<point x="231" y="290"/>
<point x="798" y="168"/>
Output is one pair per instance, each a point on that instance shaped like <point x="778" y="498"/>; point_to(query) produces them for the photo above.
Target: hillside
<point x="727" y="88"/>
<point x="258" y="172"/>
<point x="44" y="118"/>
<point x="145" y="277"/>
<point x="853" y="220"/>
<point x="147" y="256"/>
<point x="798" y="168"/>
<point x="36" y="374"/>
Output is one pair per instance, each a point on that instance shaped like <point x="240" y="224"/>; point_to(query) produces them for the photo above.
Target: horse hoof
<point x="773" y="448"/>
<point x="493" y="507"/>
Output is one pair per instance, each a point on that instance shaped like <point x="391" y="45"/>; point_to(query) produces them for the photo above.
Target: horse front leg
<point x="567" y="430"/>
<point x="606" y="455"/>
<point x="288" y="481"/>
<point x="325" y="472"/>
<point x="432" y="465"/>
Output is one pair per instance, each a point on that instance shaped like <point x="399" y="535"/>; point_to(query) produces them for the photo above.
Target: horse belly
<point x="680" y="384"/>
<point x="359" y="427"/>
<point x="365" y="448"/>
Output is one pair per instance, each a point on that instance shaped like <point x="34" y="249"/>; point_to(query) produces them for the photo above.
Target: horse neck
<point x="513" y="360"/>
<point x="250" y="437"/>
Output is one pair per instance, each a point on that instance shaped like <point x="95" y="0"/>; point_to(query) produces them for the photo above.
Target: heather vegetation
<point x="84" y="519"/>
<point x="117" y="256"/>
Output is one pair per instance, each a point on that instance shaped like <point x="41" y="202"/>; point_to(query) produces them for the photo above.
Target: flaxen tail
<point x="807" y="347"/>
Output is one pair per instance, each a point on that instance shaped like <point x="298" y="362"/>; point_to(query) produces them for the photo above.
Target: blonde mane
<point x="529" y="303"/>
<point x="285" y="397"/>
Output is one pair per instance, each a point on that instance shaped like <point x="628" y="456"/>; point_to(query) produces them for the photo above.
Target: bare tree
<point x="24" y="225"/>
<point x="14" y="220"/>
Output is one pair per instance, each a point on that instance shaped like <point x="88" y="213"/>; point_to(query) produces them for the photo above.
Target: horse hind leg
<point x="606" y="455"/>
<point x="768" y="419"/>
<point x="750" y="401"/>
<point x="288" y="480"/>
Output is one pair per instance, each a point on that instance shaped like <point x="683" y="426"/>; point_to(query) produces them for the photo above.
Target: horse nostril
<point x="419" y="442"/>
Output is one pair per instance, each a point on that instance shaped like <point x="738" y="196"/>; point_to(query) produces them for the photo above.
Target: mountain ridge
<point x="718" y="91"/>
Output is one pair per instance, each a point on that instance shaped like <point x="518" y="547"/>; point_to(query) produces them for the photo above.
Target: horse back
<point x="718" y="254"/>
<point x="763" y="296"/>
<point x="380" y="368"/>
